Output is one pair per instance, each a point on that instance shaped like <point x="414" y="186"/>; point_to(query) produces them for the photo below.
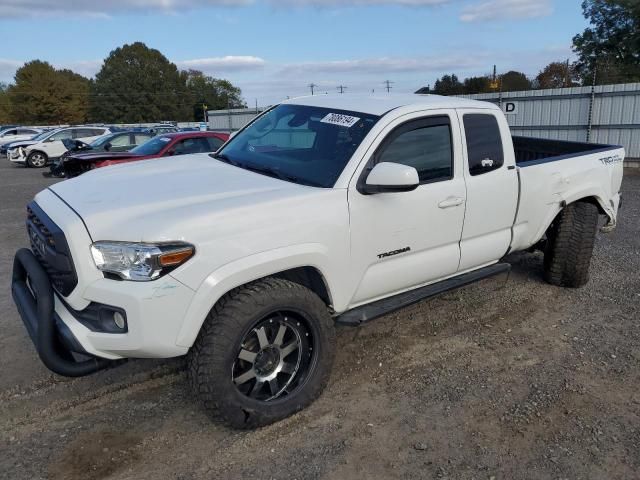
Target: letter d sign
<point x="510" y="108"/>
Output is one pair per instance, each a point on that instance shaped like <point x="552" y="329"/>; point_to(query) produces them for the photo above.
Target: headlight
<point x="140" y="262"/>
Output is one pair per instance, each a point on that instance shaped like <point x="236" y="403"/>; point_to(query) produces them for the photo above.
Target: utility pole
<point x="387" y="85"/>
<point x="204" y="112"/>
<point x="312" y="86"/>
<point x="341" y="88"/>
<point x="494" y="80"/>
<point x="566" y="75"/>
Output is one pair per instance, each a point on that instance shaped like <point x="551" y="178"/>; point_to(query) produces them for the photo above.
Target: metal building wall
<point x="608" y="114"/>
<point x="231" y="120"/>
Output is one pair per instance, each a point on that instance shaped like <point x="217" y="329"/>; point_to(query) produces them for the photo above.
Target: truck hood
<point x="171" y="198"/>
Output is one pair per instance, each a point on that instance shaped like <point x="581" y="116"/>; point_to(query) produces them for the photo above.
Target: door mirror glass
<point x="391" y="177"/>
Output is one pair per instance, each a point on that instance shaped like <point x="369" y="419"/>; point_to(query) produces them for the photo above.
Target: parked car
<point x="39" y="152"/>
<point x="160" y="146"/>
<point x="4" y="147"/>
<point x="20" y="133"/>
<point x="323" y="210"/>
<point x="114" y="142"/>
<point x="11" y="150"/>
<point x="162" y="129"/>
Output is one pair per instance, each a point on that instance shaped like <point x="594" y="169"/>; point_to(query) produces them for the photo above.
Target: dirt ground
<point x="515" y="380"/>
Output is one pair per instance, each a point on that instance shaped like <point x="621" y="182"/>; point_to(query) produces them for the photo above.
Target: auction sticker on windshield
<point x="340" y="120"/>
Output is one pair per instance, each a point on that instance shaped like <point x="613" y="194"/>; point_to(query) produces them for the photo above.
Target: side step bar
<point x="377" y="309"/>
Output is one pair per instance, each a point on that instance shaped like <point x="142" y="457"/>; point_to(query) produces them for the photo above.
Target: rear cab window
<point x="485" y="152"/>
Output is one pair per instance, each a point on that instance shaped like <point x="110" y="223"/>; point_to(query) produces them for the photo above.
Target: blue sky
<point x="275" y="48"/>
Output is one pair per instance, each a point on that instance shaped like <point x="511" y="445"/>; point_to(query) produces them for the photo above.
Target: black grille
<point x="50" y="247"/>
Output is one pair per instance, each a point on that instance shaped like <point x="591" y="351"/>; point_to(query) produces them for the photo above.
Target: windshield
<point x="98" y="142"/>
<point x="152" y="147"/>
<point x="306" y="145"/>
<point x="41" y="136"/>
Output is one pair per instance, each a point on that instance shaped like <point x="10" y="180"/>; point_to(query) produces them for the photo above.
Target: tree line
<point x="608" y="52"/>
<point x="135" y="84"/>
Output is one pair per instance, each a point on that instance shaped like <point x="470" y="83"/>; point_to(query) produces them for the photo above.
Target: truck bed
<point x="532" y="151"/>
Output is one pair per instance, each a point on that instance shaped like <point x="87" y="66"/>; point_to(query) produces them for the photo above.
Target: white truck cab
<point x="323" y="210"/>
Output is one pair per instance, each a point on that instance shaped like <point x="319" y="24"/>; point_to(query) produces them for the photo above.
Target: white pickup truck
<point x="322" y="210"/>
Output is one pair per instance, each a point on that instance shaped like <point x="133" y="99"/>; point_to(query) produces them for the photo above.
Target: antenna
<point x="387" y="85"/>
<point x="312" y="86"/>
<point x="341" y="88"/>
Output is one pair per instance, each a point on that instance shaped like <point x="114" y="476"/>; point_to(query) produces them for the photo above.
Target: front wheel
<point x="265" y="352"/>
<point x="37" y="159"/>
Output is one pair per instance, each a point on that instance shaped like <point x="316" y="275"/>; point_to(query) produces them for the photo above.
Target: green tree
<point x="43" y="95"/>
<point x="215" y="94"/>
<point x="5" y="106"/>
<point x="557" y="75"/>
<point x="515" y="81"/>
<point x="474" y="85"/>
<point x="138" y="84"/>
<point x="611" y="45"/>
<point x="448" y="85"/>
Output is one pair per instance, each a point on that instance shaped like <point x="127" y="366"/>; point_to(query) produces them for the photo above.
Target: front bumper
<point x="20" y="158"/>
<point x="57" y="347"/>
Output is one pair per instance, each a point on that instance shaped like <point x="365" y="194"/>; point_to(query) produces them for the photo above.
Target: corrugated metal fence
<point x="608" y="114"/>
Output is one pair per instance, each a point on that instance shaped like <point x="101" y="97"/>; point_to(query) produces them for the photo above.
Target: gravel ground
<point x="502" y="380"/>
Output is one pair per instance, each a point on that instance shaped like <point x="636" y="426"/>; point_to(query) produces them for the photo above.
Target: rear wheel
<point x="37" y="159"/>
<point x="569" y="245"/>
<point x="265" y="352"/>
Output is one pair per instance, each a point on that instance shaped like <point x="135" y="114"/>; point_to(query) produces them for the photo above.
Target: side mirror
<point x="390" y="177"/>
<point x="170" y="153"/>
<point x="107" y="147"/>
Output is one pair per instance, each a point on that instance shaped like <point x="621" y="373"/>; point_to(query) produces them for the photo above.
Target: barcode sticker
<point x="340" y="120"/>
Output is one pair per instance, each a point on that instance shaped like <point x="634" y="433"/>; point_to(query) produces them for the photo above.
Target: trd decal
<point x="612" y="159"/>
<point x="394" y="252"/>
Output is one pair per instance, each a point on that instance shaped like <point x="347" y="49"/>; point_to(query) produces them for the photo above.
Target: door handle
<point x="451" y="202"/>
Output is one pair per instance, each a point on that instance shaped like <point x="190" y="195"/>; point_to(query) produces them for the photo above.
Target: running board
<point x="379" y="308"/>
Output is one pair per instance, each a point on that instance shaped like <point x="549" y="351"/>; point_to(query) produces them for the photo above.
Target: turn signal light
<point x="175" y="258"/>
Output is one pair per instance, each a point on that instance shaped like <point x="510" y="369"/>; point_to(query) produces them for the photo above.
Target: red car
<point x="169" y="144"/>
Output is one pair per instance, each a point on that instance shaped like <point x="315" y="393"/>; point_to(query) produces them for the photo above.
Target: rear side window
<point x="484" y="143"/>
<point x="141" y="138"/>
<point x="192" y="145"/>
<point x="120" y="140"/>
<point x="423" y="144"/>
<point x="82" y="133"/>
<point x="214" y="143"/>
<point x="62" y="135"/>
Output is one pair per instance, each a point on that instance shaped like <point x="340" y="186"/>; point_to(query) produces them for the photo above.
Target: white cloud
<point x="8" y="69"/>
<point x="34" y="8"/>
<point x="229" y="63"/>
<point x="382" y="65"/>
<point x="86" y="68"/>
<point x="506" y="9"/>
<point x="344" y="3"/>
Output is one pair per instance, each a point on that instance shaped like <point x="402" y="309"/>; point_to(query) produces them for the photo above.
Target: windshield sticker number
<point x="340" y="120"/>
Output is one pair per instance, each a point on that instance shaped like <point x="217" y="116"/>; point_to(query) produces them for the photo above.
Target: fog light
<point x="118" y="319"/>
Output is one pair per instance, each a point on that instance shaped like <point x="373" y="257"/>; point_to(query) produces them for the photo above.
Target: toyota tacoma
<point x="323" y="210"/>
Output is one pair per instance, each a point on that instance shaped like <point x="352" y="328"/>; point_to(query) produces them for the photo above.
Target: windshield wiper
<point x="272" y="172"/>
<point x="224" y="158"/>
